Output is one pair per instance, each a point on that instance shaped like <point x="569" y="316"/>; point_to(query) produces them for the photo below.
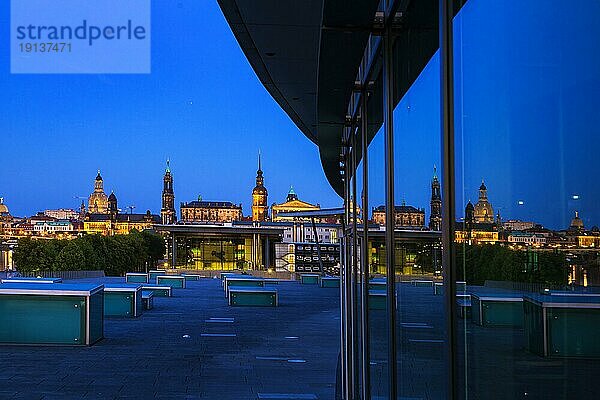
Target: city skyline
<point x="129" y="124"/>
<point x="125" y="207"/>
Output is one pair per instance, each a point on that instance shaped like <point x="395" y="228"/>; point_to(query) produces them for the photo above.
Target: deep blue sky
<point x="527" y="119"/>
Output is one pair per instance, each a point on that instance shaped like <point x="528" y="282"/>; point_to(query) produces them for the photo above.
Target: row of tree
<point x="116" y="255"/>
<point x="476" y="264"/>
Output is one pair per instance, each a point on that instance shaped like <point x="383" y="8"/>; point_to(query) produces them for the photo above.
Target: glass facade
<point x="502" y="301"/>
<point x="212" y="254"/>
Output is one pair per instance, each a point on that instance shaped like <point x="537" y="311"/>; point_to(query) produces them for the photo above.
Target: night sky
<point x="527" y="81"/>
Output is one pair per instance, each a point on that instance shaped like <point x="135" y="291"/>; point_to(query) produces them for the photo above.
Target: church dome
<point x="112" y="197"/>
<point x="483" y="211"/>
<point x="3" y="207"/>
<point x="576" y="222"/>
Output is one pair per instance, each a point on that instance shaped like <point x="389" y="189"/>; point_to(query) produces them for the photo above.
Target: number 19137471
<point x="45" y="47"/>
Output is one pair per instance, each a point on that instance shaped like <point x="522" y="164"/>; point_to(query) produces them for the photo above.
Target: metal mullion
<point x="388" y="102"/>
<point x="366" y="353"/>
<point x="448" y="191"/>
<point x="353" y="294"/>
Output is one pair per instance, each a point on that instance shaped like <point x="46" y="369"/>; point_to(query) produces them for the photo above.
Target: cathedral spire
<point x="259" y="166"/>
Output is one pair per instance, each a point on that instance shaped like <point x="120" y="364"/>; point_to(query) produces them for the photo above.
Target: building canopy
<point x="307" y="55"/>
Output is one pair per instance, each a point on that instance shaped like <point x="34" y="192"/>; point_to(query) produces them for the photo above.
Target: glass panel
<point x="420" y="319"/>
<point x="527" y="128"/>
<point x="378" y="321"/>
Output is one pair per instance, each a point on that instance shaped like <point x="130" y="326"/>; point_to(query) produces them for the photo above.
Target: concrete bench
<point x="175" y="281"/>
<point x="330" y="282"/>
<point x="154" y="273"/>
<point x="191" y="277"/>
<point x="148" y="299"/>
<point x="31" y="280"/>
<point x="231" y="282"/>
<point x="497" y="309"/>
<point x="562" y="325"/>
<point x="51" y="314"/>
<point x="122" y="300"/>
<point x="159" y="291"/>
<point x="309" y="279"/>
<point x="136" y="277"/>
<point x="248" y="296"/>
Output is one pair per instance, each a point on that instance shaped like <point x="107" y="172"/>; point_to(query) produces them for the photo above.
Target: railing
<point x="66" y="274"/>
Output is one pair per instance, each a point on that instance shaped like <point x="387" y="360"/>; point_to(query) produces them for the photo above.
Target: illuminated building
<point x="517" y="225"/>
<point x="576" y="224"/>
<point x="210" y="211"/>
<point x="4" y="212"/>
<point x="62" y="213"/>
<point x="404" y="216"/>
<point x="114" y="223"/>
<point x="98" y="201"/>
<point x="291" y="204"/>
<point x="435" y="216"/>
<point x="220" y="247"/>
<point x="260" y="209"/>
<point x="483" y="211"/>
<point x="470" y="231"/>
<point x="167" y="212"/>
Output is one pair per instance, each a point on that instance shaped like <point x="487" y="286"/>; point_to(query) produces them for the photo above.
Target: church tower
<point x="435" y="215"/>
<point x="113" y="209"/>
<point x="167" y="212"/>
<point x="260" y="209"/>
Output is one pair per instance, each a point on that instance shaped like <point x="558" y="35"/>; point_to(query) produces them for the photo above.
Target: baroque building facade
<point x="291" y="204"/>
<point x="407" y="217"/>
<point x="210" y="211"/>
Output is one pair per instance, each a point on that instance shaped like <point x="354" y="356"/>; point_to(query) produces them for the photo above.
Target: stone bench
<point x="51" y="314"/>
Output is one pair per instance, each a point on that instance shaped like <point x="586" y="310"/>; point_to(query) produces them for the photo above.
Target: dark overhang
<point x="307" y="55"/>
